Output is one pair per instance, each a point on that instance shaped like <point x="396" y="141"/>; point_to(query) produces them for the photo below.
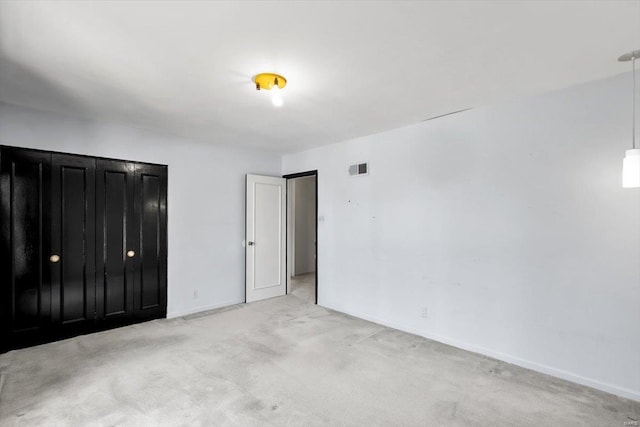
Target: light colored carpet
<point x="283" y="362"/>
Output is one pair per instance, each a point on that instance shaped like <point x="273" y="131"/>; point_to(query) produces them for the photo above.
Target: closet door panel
<point x="73" y="239"/>
<point x="24" y="218"/>
<point x="151" y="222"/>
<point x="115" y="237"/>
<point x="150" y="242"/>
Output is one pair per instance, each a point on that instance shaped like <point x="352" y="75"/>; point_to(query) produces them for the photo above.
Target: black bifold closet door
<point x="83" y="244"/>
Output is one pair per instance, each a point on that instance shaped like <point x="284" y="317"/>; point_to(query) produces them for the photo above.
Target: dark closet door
<point x="83" y="245"/>
<point x="116" y="242"/>
<point x="25" y="305"/>
<point x="73" y="298"/>
<point x="151" y="229"/>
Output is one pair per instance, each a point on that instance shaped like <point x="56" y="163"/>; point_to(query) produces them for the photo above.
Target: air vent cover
<point x="359" y="169"/>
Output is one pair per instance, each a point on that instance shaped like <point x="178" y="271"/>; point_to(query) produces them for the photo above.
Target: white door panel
<point x="267" y="231"/>
<point x="265" y="228"/>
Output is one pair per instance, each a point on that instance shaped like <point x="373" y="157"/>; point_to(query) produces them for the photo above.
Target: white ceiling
<point x="354" y="68"/>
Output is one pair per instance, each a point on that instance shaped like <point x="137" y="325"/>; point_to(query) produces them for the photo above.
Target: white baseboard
<point x="180" y="313"/>
<point x="534" y="366"/>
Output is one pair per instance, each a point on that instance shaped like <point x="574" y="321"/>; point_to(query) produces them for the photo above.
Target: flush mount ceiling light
<point x="631" y="162"/>
<point x="272" y="82"/>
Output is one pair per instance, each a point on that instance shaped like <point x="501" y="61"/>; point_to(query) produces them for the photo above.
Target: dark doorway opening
<point x="302" y="232"/>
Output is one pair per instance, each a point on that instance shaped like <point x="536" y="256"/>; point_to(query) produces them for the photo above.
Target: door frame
<point x="286" y="266"/>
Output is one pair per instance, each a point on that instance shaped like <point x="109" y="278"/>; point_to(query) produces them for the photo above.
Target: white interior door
<point x="265" y="240"/>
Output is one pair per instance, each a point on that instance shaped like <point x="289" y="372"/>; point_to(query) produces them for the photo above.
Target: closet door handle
<point x="131" y="254"/>
<point x="251" y="243"/>
<point x="54" y="258"/>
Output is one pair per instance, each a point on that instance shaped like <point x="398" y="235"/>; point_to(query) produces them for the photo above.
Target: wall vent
<point x="359" y="169"/>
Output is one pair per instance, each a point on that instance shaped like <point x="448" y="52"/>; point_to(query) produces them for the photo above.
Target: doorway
<point x="302" y="231"/>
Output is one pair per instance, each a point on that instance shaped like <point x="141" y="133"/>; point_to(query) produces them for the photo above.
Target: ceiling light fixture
<point x="272" y="82"/>
<point x="631" y="162"/>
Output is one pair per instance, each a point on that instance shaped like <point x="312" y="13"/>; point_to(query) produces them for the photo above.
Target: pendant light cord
<point x="633" y="67"/>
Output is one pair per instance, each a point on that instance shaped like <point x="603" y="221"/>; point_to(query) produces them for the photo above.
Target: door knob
<point x="131" y="254"/>
<point x="54" y="258"/>
<point x="250" y="243"/>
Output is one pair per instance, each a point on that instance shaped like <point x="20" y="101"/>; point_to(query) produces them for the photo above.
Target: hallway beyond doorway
<point x="303" y="286"/>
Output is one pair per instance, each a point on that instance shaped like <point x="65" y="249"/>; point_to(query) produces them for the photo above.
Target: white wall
<point x="205" y="196"/>
<point x="304" y="224"/>
<point x="507" y="223"/>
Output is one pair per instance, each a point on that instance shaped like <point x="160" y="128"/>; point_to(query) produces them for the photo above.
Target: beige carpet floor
<point x="283" y="362"/>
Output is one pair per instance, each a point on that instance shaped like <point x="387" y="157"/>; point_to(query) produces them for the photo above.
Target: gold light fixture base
<point x="268" y="80"/>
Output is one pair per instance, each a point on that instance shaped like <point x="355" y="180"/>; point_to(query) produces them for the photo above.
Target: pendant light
<point x="631" y="162"/>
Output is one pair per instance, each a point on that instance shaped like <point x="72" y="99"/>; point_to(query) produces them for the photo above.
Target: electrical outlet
<point x="195" y="294"/>
<point x="424" y="313"/>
